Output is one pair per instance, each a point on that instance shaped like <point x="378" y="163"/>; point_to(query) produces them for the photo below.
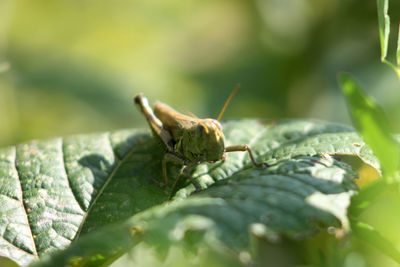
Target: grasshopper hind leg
<point x="155" y="124"/>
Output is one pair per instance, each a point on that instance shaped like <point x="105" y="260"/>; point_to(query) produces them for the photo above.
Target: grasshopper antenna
<point x="227" y="101"/>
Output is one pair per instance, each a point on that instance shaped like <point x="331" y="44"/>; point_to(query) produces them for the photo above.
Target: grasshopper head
<point x="207" y="141"/>
<point x="212" y="138"/>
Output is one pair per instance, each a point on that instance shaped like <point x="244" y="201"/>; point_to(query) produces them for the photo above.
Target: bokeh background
<point x="71" y="67"/>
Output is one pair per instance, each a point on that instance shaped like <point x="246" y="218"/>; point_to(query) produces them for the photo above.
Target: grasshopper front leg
<point x="246" y="148"/>
<point x="187" y="170"/>
<point x="169" y="157"/>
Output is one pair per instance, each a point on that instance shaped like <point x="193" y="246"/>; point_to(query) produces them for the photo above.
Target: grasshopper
<point x="189" y="140"/>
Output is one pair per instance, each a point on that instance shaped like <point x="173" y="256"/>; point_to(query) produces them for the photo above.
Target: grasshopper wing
<point x="175" y="122"/>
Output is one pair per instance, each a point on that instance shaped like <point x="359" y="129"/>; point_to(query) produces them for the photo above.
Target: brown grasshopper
<point x="189" y="140"/>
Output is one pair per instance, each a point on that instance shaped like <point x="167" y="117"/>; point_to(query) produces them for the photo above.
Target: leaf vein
<point x="11" y="198"/>
<point x="18" y="248"/>
<point x="119" y="162"/>
<point x="22" y="203"/>
<point x="62" y="143"/>
<point x="270" y="205"/>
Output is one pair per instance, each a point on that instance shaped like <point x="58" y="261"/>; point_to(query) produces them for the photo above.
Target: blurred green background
<point x="74" y="66"/>
<point x="71" y="67"/>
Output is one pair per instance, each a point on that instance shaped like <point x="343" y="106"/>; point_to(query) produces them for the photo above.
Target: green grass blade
<point x="372" y="123"/>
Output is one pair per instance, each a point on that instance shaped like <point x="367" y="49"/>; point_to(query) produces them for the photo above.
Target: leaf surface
<point x="56" y="190"/>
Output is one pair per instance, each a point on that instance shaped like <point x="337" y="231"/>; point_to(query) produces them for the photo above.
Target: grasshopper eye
<point x="200" y="129"/>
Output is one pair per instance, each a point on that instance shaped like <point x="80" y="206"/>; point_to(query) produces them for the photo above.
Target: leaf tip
<point x="346" y="82"/>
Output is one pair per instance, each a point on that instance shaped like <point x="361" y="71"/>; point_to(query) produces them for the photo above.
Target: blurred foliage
<point x="371" y="122"/>
<point x="73" y="67"/>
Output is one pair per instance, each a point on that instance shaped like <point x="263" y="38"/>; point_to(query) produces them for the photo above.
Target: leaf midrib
<point x="23" y="205"/>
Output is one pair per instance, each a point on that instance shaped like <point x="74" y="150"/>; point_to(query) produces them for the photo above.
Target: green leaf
<point x="286" y="140"/>
<point x="384" y="31"/>
<point x="47" y="188"/>
<point x="398" y="50"/>
<point x="373" y="124"/>
<point x="294" y="198"/>
<point x="54" y="191"/>
<point x="371" y="236"/>
<point x="384" y="26"/>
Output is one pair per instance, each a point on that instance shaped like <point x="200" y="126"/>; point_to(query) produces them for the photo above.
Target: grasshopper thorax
<point x="204" y="141"/>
